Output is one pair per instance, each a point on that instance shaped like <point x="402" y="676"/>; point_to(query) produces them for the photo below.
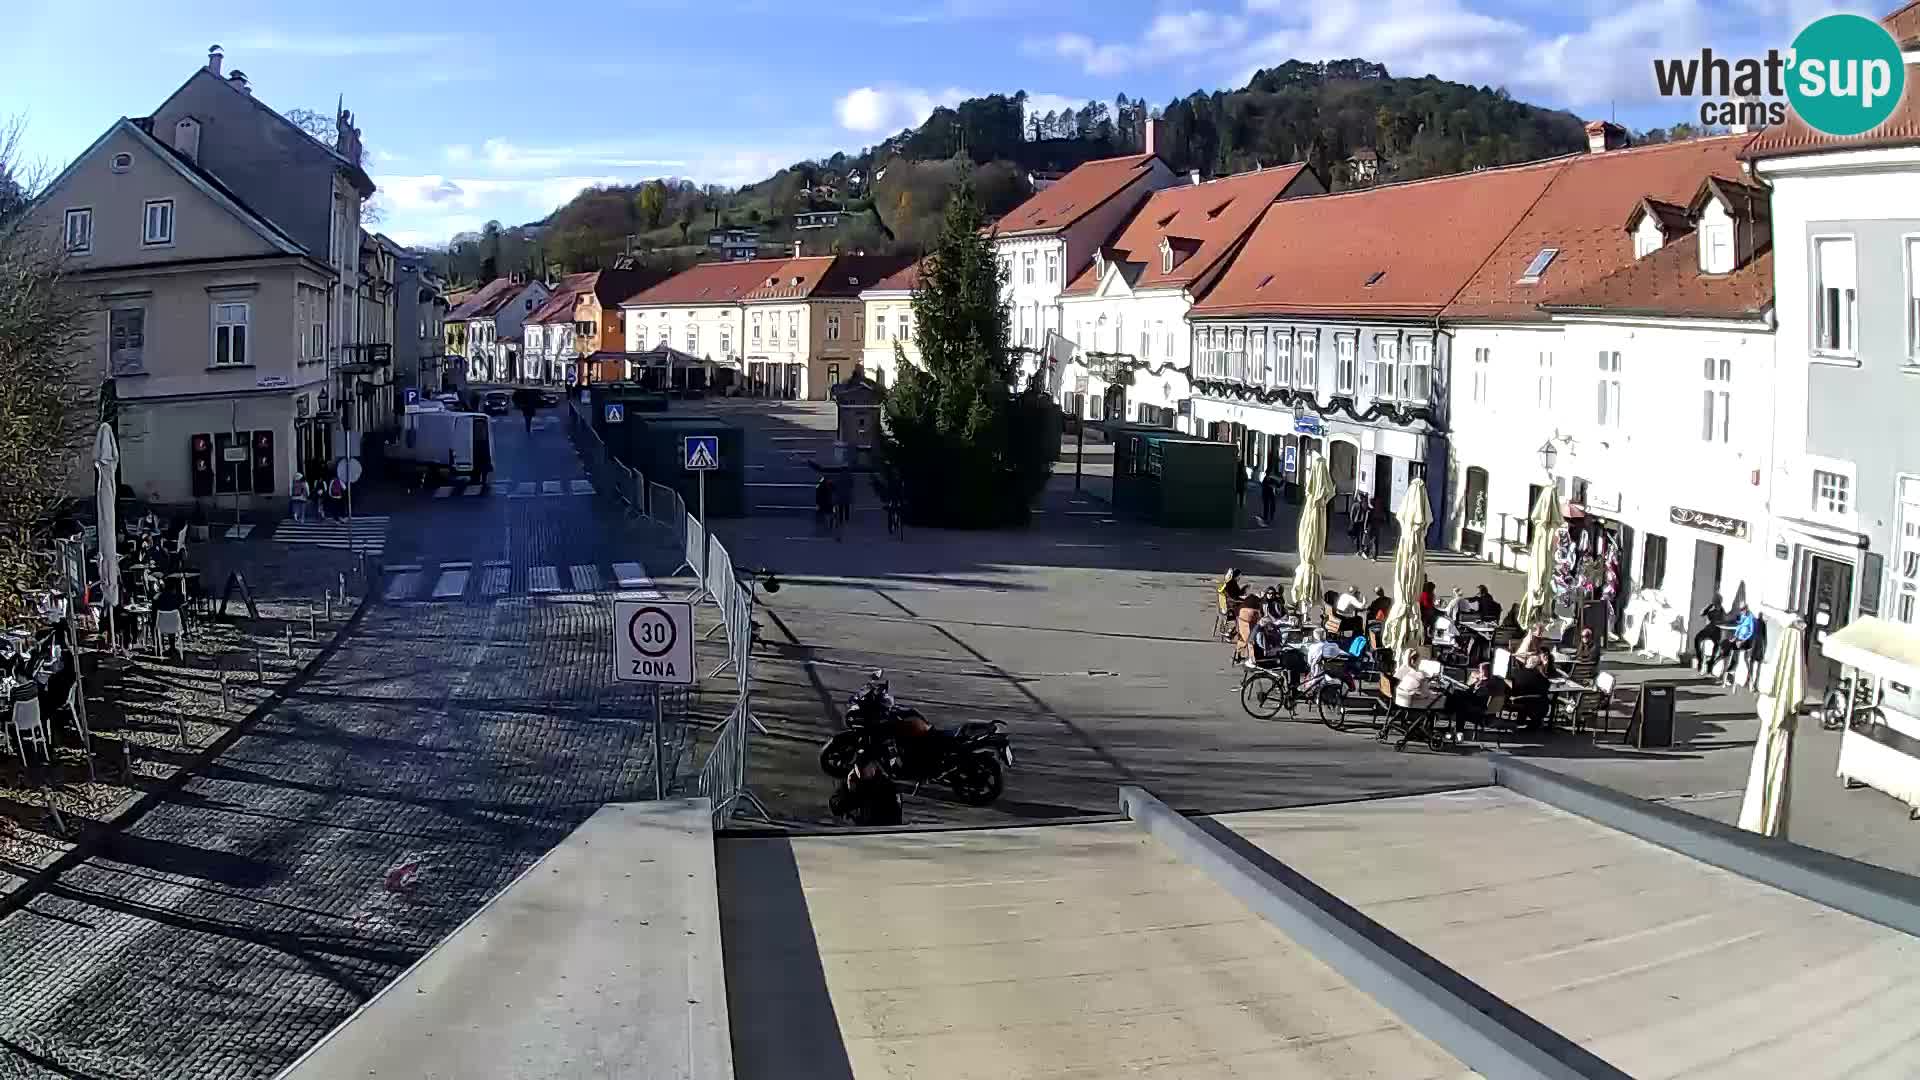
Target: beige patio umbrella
<point x="1404" y="629"/>
<point x="1547" y="522"/>
<point x="1313" y="534"/>
<point x="1764" y="807"/>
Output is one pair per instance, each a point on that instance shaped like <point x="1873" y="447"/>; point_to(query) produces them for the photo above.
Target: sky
<point x="504" y="110"/>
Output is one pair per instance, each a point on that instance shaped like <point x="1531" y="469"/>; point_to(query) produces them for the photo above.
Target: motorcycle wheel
<point x="978" y="780"/>
<point x="1262" y="695"/>
<point x="837" y="757"/>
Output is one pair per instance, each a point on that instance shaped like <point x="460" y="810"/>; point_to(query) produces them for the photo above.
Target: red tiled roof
<point x="851" y="275"/>
<point x="486" y="300"/>
<point x="557" y="309"/>
<point x="707" y="283"/>
<point x="1669" y="282"/>
<point x="905" y="279"/>
<point x="1580" y="214"/>
<point x="1074" y="195"/>
<point x="1423" y="239"/>
<point x="1202" y="223"/>
<point x="1901" y="127"/>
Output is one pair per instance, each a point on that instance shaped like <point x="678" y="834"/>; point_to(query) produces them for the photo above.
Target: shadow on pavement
<point x="778" y="1005"/>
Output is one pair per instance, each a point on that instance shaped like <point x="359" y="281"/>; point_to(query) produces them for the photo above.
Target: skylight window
<point x="1263" y="282"/>
<point x="1218" y="210"/>
<point x="1374" y="278"/>
<point x="1538" y="266"/>
<point x="1168" y="220"/>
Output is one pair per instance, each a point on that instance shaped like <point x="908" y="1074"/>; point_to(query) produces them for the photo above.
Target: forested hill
<point x="892" y="194"/>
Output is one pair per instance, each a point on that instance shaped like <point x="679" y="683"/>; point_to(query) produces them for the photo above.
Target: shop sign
<point x="1603" y="499"/>
<point x="1307" y="425"/>
<point x="1705" y="522"/>
<point x="270" y="382"/>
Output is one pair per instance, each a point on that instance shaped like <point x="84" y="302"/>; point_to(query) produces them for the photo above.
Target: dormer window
<point x="1716" y="248"/>
<point x="1099" y="265"/>
<point x="1646" y="241"/>
<point x="1166" y="257"/>
<point x="1538" y="266"/>
<point x="1374" y="278"/>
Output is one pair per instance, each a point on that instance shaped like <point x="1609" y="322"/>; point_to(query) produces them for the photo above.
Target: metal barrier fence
<point x="723" y="775"/>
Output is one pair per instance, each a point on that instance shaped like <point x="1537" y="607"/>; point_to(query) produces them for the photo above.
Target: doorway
<point x="1473" y="533"/>
<point x="1383" y="484"/>
<point x="1709" y="563"/>
<point x="1826" y="602"/>
<point x="1343" y="463"/>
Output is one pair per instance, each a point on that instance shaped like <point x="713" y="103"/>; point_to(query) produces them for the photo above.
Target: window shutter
<point x="1706" y="421"/>
<point x="1602" y="387"/>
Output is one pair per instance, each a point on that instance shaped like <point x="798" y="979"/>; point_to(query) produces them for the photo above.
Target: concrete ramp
<point x="602" y="961"/>
<point x="1066" y="952"/>
<point x="1659" y="964"/>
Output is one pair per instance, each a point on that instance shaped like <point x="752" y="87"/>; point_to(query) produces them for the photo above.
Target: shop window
<point x="1653" y="562"/>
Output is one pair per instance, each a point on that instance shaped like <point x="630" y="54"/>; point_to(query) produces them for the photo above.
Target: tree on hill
<point x="968" y="448"/>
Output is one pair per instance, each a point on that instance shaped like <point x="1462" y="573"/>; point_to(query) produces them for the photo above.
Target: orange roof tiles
<point x="1901" y="127"/>
<point x="1074" y="195"/>
<point x="905" y="279"/>
<point x="808" y="278"/>
<point x="1200" y="222"/>
<point x="1423" y="239"/>
<point x="486" y="300"/>
<point x="1669" y="282"/>
<point x="707" y="283"/>
<point x="1580" y="215"/>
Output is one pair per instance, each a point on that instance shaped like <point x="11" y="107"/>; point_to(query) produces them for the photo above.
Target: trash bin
<point x="1652" y="726"/>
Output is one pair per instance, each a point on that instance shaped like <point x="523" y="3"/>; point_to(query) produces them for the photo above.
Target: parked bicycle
<point x="1866" y="696"/>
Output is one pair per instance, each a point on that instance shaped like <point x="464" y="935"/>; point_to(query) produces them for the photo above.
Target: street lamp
<point x="1548" y="455"/>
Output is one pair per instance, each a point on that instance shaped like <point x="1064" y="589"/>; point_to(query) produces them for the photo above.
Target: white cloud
<point x="1606" y="59"/>
<point x="459" y="153"/>
<point x="505" y="156"/>
<point x="1046" y="103"/>
<point x="873" y="110"/>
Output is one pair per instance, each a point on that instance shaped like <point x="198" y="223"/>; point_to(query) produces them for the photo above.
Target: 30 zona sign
<point x="653" y="641"/>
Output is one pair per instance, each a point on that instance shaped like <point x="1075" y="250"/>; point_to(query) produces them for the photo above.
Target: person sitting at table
<point x="1428" y="612"/>
<point x="1270" y="650"/>
<point x="1349" y="602"/>
<point x="1588" y="652"/>
<point x="1711" y="634"/>
<point x="1330" y="611"/>
<point x="1322" y="650"/>
<point x="60" y="678"/>
<point x="1736" y="642"/>
<point x="1455" y="607"/>
<point x="1378" y="607"/>
<point x="1484" y="605"/>
<point x="1476" y="701"/>
<point x="22" y="687"/>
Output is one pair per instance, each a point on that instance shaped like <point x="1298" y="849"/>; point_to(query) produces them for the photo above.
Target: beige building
<point x="786" y="328"/>
<point x="220" y="246"/>
<point x="889" y="325"/>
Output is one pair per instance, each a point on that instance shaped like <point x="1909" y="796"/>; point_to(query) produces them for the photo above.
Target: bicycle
<point x="1265" y="693"/>
<point x="1866" y="705"/>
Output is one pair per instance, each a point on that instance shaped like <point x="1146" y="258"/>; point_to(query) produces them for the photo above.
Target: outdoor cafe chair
<point x="169" y="623"/>
<point x="1597" y="705"/>
<point x="29" y="727"/>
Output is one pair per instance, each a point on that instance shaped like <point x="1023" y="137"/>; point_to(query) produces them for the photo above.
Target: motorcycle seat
<point x="973" y="729"/>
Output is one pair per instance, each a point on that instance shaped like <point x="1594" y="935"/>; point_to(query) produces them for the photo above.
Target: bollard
<point x="226" y="703"/>
<point x="311" y="635"/>
<point x="289" y="641"/>
<point x="326" y="599"/>
<point x="343" y="588"/>
<point x="259" y="667"/>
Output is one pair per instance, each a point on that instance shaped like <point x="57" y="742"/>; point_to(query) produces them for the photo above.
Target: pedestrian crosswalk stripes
<point x="511" y="489"/>
<point x="583" y="487"/>
<point x="523" y="489"/>
<point x="543" y="579"/>
<point x="364" y="533"/>
<point x="494" y="580"/>
<point x="550" y="487"/>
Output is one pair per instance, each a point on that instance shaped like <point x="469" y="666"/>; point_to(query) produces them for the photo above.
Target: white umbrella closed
<point x="106" y="489"/>
<point x="1547" y="522"/>
<point x="1763" y="809"/>
<point x="1313" y="534"/>
<point x="1404" y="628"/>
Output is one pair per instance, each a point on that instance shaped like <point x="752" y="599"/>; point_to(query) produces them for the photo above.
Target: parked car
<point x="550" y="399"/>
<point x="496" y="403"/>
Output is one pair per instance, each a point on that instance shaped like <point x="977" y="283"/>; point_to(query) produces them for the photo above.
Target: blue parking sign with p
<point x="1292" y="459"/>
<point x="413" y="396"/>
<point x="702" y="452"/>
<point x="616" y="413"/>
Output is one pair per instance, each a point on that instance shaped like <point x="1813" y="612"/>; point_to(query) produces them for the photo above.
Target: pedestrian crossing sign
<point x="616" y="412"/>
<point x="702" y="452"/>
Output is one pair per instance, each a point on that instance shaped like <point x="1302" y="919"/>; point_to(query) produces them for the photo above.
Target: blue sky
<point x="504" y="110"/>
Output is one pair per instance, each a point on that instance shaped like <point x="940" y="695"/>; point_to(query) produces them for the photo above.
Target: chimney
<point x="239" y="81"/>
<point x="214" y="59"/>
<point x="796" y="249"/>
<point x="1151" y="136"/>
<point x="186" y="138"/>
<point x="1194" y="176"/>
<point x="1604" y="135"/>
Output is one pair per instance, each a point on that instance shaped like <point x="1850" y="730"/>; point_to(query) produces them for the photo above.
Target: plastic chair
<point x="28" y="727"/>
<point x="1603" y="708"/>
<point x="167" y="623"/>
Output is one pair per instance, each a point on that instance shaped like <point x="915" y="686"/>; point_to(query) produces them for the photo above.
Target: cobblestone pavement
<point x="433" y="756"/>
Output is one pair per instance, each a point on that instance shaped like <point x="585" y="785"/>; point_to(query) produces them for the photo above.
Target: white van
<point x="444" y="445"/>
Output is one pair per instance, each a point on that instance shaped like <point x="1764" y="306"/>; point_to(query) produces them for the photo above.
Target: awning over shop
<point x="1884" y="649"/>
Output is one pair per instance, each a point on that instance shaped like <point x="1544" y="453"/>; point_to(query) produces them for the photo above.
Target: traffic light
<point x="263" y="463"/>
<point x="200" y="461"/>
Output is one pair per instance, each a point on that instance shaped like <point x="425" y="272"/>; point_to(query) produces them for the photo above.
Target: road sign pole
<point x="702" y="474"/>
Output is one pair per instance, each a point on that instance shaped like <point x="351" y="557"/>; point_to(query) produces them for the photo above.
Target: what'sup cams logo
<point x="1843" y="76"/>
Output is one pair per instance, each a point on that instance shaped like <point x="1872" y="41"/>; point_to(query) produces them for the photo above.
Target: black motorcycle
<point x="968" y="759"/>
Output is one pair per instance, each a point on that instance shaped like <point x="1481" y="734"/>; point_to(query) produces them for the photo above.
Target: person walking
<point x="822" y="503"/>
<point x="337" y="495"/>
<point x="1357" y="509"/>
<point x="297" y="501"/>
<point x="1370" y="535"/>
<point x="529" y="404"/>
<point x="1269" y="496"/>
<point x="1240" y="484"/>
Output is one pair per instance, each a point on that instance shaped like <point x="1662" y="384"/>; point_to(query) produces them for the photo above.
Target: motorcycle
<point x="970" y="759"/>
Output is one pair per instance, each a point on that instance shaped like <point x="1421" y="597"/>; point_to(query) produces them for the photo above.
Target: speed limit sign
<point x="653" y="641"/>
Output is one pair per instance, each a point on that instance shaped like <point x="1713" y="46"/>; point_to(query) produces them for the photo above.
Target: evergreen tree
<point x="969" y="450"/>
